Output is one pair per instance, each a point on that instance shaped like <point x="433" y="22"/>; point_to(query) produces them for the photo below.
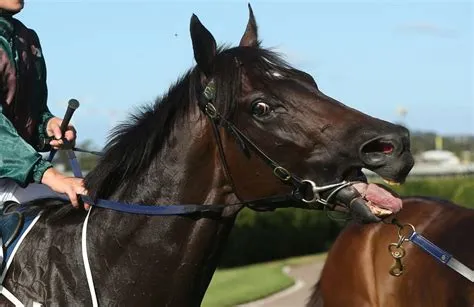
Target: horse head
<point x="279" y="133"/>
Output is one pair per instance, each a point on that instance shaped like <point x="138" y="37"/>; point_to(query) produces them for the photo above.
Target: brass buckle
<point x="396" y="250"/>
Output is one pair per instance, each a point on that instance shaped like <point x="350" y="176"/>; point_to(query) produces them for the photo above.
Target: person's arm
<point x="19" y="161"/>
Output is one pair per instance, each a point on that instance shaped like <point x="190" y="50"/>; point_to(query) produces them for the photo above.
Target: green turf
<point x="230" y="287"/>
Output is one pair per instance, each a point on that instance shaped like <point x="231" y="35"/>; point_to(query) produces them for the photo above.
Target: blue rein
<point x="150" y="209"/>
<point x="163" y="210"/>
<point x="427" y="246"/>
<point x="137" y="208"/>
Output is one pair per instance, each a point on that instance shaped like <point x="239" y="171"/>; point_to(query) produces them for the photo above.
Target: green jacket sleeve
<point x="44" y="117"/>
<point x="18" y="160"/>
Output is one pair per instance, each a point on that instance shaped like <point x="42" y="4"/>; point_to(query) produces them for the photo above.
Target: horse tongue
<point x="379" y="196"/>
<point x="383" y="198"/>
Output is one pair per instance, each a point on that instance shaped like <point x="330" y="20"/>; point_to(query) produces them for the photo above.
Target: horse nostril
<point x="375" y="146"/>
<point x="376" y="151"/>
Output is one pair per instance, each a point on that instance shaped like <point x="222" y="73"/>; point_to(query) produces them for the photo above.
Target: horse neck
<point x="185" y="172"/>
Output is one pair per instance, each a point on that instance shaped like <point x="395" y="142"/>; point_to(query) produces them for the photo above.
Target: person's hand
<point x="53" y="128"/>
<point x="66" y="185"/>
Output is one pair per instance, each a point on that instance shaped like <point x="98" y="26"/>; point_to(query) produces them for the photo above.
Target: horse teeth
<point x="377" y="211"/>
<point x="392" y="183"/>
<point x="384" y="212"/>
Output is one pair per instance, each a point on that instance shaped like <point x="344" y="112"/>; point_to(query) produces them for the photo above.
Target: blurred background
<point x="409" y="62"/>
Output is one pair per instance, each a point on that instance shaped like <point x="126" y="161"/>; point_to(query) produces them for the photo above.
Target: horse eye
<point x="260" y="109"/>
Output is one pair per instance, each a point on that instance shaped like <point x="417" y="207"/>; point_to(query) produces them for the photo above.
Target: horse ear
<point x="204" y="45"/>
<point x="250" y="37"/>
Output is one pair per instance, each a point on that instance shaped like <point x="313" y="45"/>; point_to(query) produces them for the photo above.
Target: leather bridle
<point x="297" y="198"/>
<point x="299" y="194"/>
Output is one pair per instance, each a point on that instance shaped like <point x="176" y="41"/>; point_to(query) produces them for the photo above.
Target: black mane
<point x="134" y="143"/>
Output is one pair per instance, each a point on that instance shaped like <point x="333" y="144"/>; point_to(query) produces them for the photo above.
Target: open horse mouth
<point x="370" y="202"/>
<point x="380" y="200"/>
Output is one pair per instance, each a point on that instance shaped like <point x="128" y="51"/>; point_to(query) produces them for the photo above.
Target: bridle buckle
<point x="282" y="173"/>
<point x="210" y="110"/>
<point x="336" y="187"/>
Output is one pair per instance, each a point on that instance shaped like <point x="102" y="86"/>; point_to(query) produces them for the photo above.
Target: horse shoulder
<point x="346" y="280"/>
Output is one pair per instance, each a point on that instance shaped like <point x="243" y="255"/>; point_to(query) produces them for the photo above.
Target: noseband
<point x="299" y="194"/>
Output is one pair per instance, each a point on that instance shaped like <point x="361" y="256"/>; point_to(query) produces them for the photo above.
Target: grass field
<point x="230" y="287"/>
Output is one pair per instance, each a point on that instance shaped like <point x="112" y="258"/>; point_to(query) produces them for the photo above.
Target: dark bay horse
<point x="242" y="127"/>
<point x="356" y="272"/>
